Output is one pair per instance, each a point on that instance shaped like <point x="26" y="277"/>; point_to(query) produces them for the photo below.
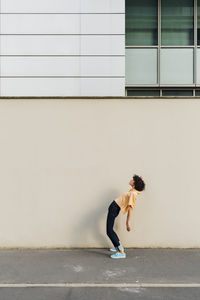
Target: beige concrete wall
<point x="63" y="162"/>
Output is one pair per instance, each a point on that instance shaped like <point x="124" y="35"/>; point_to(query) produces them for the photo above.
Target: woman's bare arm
<point x="128" y="220"/>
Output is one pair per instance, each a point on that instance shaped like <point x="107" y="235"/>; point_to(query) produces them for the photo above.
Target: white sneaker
<point x="113" y="249"/>
<point x="118" y="255"/>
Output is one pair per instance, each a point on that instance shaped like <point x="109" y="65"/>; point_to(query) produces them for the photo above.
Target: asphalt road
<point x="145" y="274"/>
<point x="100" y="293"/>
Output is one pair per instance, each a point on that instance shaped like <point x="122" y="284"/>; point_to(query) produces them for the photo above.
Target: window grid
<point x="159" y="47"/>
<point x="195" y="91"/>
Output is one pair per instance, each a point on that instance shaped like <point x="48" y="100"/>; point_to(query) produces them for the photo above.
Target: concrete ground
<point x="62" y="274"/>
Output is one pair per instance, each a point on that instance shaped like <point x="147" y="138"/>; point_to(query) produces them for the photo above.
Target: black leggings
<point x="113" y="212"/>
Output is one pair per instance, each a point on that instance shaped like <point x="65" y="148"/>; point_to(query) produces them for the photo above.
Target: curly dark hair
<point x="138" y="183"/>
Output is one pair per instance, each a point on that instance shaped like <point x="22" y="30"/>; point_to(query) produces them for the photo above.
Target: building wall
<point x="64" y="161"/>
<point x="62" y="48"/>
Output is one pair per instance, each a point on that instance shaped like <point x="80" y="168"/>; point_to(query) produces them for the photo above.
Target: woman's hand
<point x="128" y="227"/>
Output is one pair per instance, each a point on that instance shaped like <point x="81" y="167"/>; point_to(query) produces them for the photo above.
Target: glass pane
<point x="176" y="66"/>
<point x="198" y="22"/>
<point x="197" y="93"/>
<point x="198" y="65"/>
<point x="143" y="93"/>
<point x="177" y="21"/>
<point x="177" y="92"/>
<point x="141" y="66"/>
<point x="141" y="22"/>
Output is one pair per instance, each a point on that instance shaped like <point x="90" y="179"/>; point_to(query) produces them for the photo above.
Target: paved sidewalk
<point x="90" y="273"/>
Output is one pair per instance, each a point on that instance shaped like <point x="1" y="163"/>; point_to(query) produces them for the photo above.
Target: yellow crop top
<point x="127" y="199"/>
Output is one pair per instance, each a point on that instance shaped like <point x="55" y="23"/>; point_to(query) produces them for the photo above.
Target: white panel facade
<point x="40" y="6"/>
<point x="103" y="45"/>
<point x="62" y="6"/>
<point x="102" y="24"/>
<point x="83" y="40"/>
<point x="62" y="45"/>
<point x="62" y="87"/>
<point x="62" y="24"/>
<point x="102" y="86"/>
<point x="103" y="6"/>
<point x="62" y="66"/>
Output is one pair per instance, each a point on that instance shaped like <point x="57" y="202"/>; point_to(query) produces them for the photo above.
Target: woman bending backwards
<point x="125" y="202"/>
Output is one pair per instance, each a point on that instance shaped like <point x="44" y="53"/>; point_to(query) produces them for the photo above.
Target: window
<point x="141" y="22"/>
<point x="177" y="24"/>
<point x="143" y="93"/>
<point x="165" y="92"/>
<point x="162" y="43"/>
<point x="141" y="66"/>
<point x="198" y="22"/>
<point x="176" y="93"/>
<point x="176" y="66"/>
<point x="197" y="93"/>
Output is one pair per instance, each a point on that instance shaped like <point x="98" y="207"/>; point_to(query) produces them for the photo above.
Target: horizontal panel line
<point x="121" y="285"/>
<point x="63" y="55"/>
<point x="86" y="34"/>
<point x="113" y="13"/>
<point x="62" y="76"/>
<point x="62" y="97"/>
